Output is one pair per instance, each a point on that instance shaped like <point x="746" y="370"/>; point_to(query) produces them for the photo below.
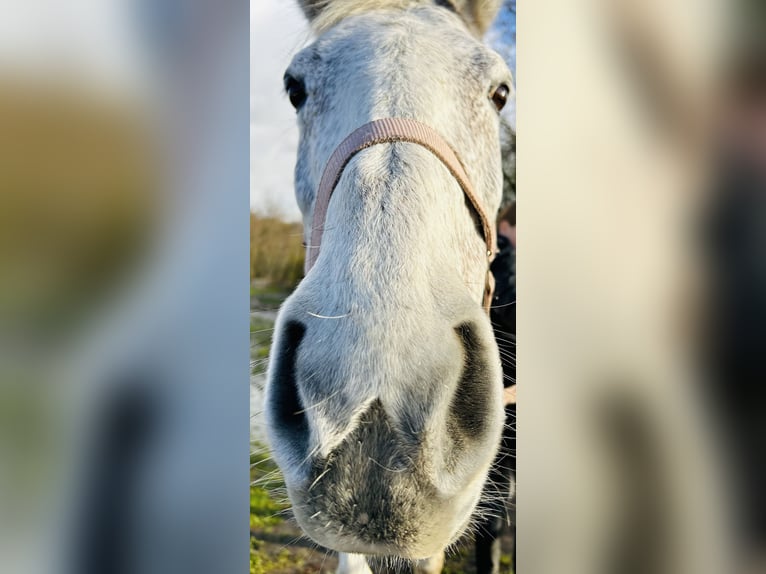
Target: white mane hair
<point x="324" y="14"/>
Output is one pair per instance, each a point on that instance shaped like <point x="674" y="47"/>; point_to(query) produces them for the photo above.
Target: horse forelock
<point x="324" y="14"/>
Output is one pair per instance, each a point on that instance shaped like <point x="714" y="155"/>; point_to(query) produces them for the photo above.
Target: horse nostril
<point x="472" y="402"/>
<point x="287" y="408"/>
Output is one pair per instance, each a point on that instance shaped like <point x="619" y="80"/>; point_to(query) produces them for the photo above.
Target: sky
<point x="277" y="31"/>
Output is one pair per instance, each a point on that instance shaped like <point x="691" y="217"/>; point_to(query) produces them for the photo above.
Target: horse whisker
<point x="327" y="316"/>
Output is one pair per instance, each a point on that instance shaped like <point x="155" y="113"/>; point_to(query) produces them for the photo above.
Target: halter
<point x="391" y="130"/>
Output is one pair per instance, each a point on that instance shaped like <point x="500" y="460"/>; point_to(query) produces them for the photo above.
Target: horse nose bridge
<point x="392" y="212"/>
<point x="376" y="315"/>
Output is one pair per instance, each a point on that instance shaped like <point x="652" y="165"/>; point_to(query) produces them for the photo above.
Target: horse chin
<point x="401" y="515"/>
<point x="430" y="545"/>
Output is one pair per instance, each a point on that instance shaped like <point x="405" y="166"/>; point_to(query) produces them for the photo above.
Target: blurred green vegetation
<point x="266" y="297"/>
<point x="276" y="251"/>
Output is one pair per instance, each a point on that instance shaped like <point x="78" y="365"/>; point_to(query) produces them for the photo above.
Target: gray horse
<point x="384" y="393"/>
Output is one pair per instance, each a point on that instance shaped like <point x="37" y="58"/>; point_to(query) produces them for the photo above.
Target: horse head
<point x="383" y="399"/>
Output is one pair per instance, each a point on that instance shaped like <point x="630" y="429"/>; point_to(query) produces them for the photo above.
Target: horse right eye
<point x="500" y="96"/>
<point x="296" y="91"/>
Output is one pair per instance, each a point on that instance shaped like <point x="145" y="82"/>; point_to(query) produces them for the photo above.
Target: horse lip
<point x="351" y="545"/>
<point x="346" y="539"/>
<point x="355" y="546"/>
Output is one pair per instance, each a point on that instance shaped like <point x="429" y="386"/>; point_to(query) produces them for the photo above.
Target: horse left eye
<point x="296" y="91"/>
<point x="500" y="96"/>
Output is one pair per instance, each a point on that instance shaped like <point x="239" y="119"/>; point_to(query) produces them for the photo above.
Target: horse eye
<point x="296" y="91"/>
<point x="500" y="96"/>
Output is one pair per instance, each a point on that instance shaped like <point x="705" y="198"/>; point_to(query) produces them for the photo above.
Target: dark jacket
<point x="503" y="312"/>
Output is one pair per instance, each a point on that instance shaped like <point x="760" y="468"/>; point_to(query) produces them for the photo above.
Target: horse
<point x="383" y="400"/>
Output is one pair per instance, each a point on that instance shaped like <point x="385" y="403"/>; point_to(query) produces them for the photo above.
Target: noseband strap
<point x="390" y="130"/>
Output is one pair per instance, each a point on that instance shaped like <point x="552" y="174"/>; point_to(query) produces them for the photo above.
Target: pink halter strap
<point x="391" y="130"/>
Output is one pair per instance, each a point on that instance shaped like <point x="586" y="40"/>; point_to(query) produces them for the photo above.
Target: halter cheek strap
<point x="391" y="130"/>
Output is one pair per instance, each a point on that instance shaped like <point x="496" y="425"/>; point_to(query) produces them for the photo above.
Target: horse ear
<point x="312" y="8"/>
<point x="478" y="14"/>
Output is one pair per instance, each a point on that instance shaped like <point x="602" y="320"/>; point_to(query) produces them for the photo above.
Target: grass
<point x="261" y="563"/>
<point x="277" y="545"/>
<point x="267" y="297"/>
<point x="265" y="477"/>
<point x="261" y="331"/>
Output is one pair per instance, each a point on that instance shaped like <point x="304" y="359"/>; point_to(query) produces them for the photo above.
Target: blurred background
<point x="641" y="286"/>
<point x="123" y="286"/>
